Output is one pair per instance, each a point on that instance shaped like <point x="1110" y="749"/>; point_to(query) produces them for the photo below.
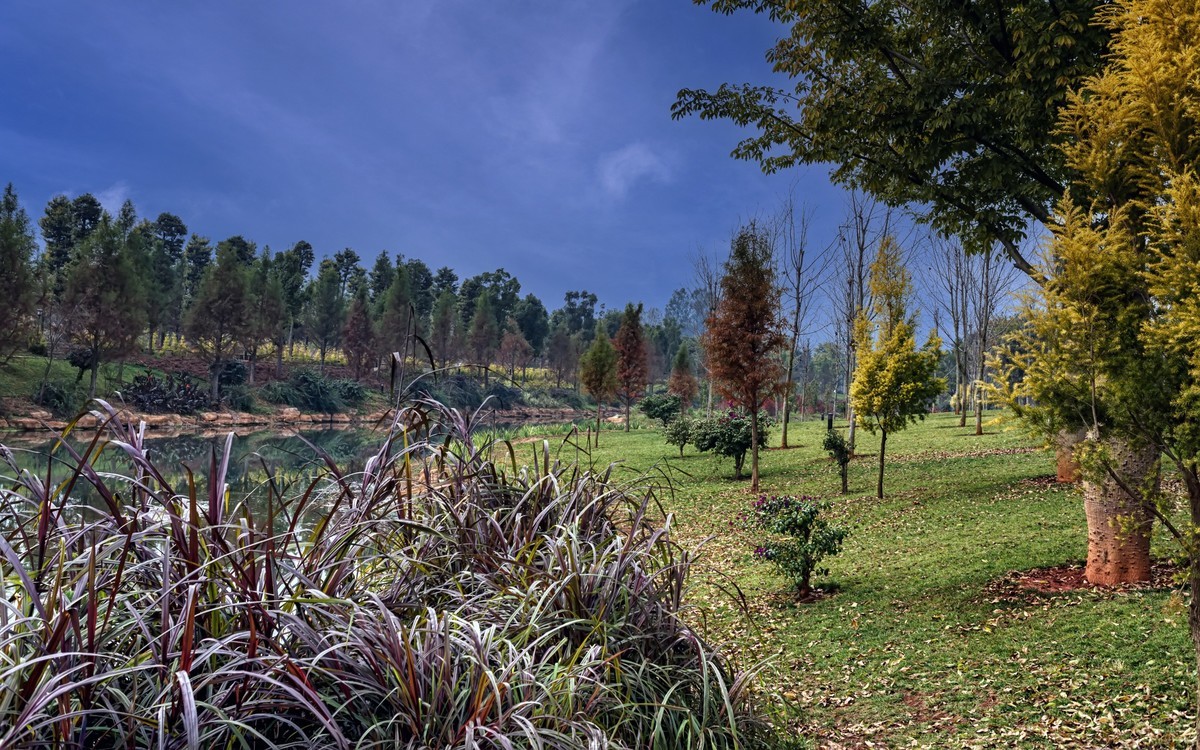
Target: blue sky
<point x="534" y="136"/>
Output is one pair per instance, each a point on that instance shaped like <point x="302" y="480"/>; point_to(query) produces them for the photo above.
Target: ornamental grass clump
<point x="799" y="537"/>
<point x="437" y="598"/>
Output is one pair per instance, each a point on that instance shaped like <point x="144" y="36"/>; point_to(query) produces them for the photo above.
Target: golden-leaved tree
<point x="894" y="382"/>
<point x="1114" y="340"/>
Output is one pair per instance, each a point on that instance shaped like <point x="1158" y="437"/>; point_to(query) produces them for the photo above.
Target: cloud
<point x="620" y="169"/>
<point x="113" y="196"/>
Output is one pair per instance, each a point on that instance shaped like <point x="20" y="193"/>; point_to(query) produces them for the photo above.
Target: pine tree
<point x="632" y="367"/>
<point x="395" y="319"/>
<point x="267" y="309"/>
<point x="104" y="295"/>
<point x="326" y="309"/>
<point x="442" y="328"/>
<point x="484" y="333"/>
<point x="598" y="371"/>
<point x="219" y="314"/>
<point x="17" y="289"/>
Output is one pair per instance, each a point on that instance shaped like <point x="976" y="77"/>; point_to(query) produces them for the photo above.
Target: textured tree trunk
<point x="597" y="423"/>
<point x="1118" y="524"/>
<point x="882" y="453"/>
<point x="1067" y="470"/>
<point x="1194" y="627"/>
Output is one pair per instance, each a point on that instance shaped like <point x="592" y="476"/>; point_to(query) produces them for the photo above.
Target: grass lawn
<point x="924" y="642"/>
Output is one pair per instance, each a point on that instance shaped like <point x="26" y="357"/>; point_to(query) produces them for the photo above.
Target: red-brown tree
<point x="633" y="371"/>
<point x="683" y="383"/>
<point x="743" y="339"/>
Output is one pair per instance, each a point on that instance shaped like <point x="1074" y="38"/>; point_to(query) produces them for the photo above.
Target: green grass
<point x="22" y="375"/>
<point x="922" y="644"/>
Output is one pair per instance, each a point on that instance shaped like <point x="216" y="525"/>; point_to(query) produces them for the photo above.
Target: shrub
<point x="233" y="372"/>
<point x="351" y="392"/>
<point x="839" y="451"/>
<point x="37" y="348"/>
<point x="238" y="398"/>
<point x="173" y="394"/>
<point x="664" y="407"/>
<point x="310" y="391"/>
<point x="503" y="396"/>
<point x="567" y="397"/>
<point x="800" y="538"/>
<point x="678" y="433"/>
<point x="80" y="359"/>
<point x="539" y="608"/>
<point x="63" y="398"/>
<point x="729" y="435"/>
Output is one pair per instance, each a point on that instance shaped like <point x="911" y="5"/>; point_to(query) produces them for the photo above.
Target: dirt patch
<point x="1069" y="578"/>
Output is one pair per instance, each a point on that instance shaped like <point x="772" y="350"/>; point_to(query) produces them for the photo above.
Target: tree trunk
<point x="279" y="360"/>
<point x="882" y="452"/>
<point x="627" y="416"/>
<point x="754" y="450"/>
<point x="978" y="412"/>
<point x="1067" y="468"/>
<point x="253" y="364"/>
<point x="95" y="368"/>
<point x="1194" y="627"/>
<point x="214" y="383"/>
<point x="597" y="423"/>
<point x="1118" y="524"/>
<point x="851" y="430"/>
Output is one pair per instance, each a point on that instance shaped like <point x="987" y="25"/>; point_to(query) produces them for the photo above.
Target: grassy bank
<point x="926" y="642"/>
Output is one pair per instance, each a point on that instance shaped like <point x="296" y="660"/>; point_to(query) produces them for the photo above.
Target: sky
<point x="533" y="136"/>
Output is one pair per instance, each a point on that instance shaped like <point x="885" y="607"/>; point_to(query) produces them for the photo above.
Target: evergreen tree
<point x="292" y="267"/>
<point x="196" y="258"/>
<point x="220" y="313"/>
<point x="533" y="320"/>
<point x="104" y="296"/>
<point x="326" y="309"/>
<point x="381" y="277"/>
<point x="17" y="289"/>
<point x="396" y="317"/>
<point x="267" y="309"/>
<point x="58" y="232"/>
<point x="442" y="328"/>
<point x="894" y="383"/>
<point x="598" y="371"/>
<point x="515" y="351"/>
<point x="445" y="280"/>
<point x="632" y="370"/>
<point x="484" y="333"/>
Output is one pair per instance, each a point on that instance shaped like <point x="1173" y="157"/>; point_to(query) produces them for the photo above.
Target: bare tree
<point x="950" y="285"/>
<point x="708" y="273"/>
<point x="992" y="280"/>
<point x="866" y="223"/>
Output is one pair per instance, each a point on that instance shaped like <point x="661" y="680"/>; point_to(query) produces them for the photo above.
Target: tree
<point x="58" y="232"/>
<point x="244" y="249"/>
<point x="1111" y="338"/>
<point x="802" y="277"/>
<point x="743" y="339"/>
<point x="17" y="246"/>
<point x="420" y="280"/>
<point x="632" y="372"/>
<point x="562" y="353"/>
<point x="325" y="309"/>
<point x="104" y="296"/>
<point x="268" y="311"/>
<point x="578" y="313"/>
<point x="292" y="267"/>
<point x="683" y="383"/>
<point x="442" y="328"/>
<point x="484" y="333"/>
<point x="515" y="351"/>
<point x="708" y="296"/>
<point x="950" y="106"/>
<point x="598" y="371"/>
<point x="533" y="320"/>
<point x="196" y="258"/>
<point x="219" y="314"/>
<point x="358" y="335"/>
<point x="396" y="318"/>
<point x="380" y="278"/>
<point x="894" y="383"/>
<point x="346" y="262"/>
<point x="444" y="280"/>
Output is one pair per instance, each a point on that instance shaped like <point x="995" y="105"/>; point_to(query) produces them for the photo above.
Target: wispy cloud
<point x="113" y="196"/>
<point x="619" y="170"/>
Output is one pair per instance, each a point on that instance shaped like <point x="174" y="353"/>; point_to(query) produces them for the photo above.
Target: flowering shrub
<point x="799" y="537"/>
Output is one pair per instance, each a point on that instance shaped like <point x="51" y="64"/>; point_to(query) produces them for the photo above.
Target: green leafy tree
<point x="950" y="106"/>
<point x="562" y="353"/>
<point x="743" y="338"/>
<point x="666" y="408"/>
<point x="800" y="537"/>
<point x="326" y="310"/>
<point x="445" y="280"/>
<point x="632" y="366"/>
<point x="420" y="280"/>
<point x="380" y="278"/>
<point x="293" y="266"/>
<point x="196" y="258"/>
<point x="58" y="232"/>
<point x="894" y="383"/>
<point x="533" y="320"/>
<point x="220" y="314"/>
<point x="104" y="296"/>
<point x="598" y="372"/>
<point x="17" y="288"/>
<point x="244" y="249"/>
